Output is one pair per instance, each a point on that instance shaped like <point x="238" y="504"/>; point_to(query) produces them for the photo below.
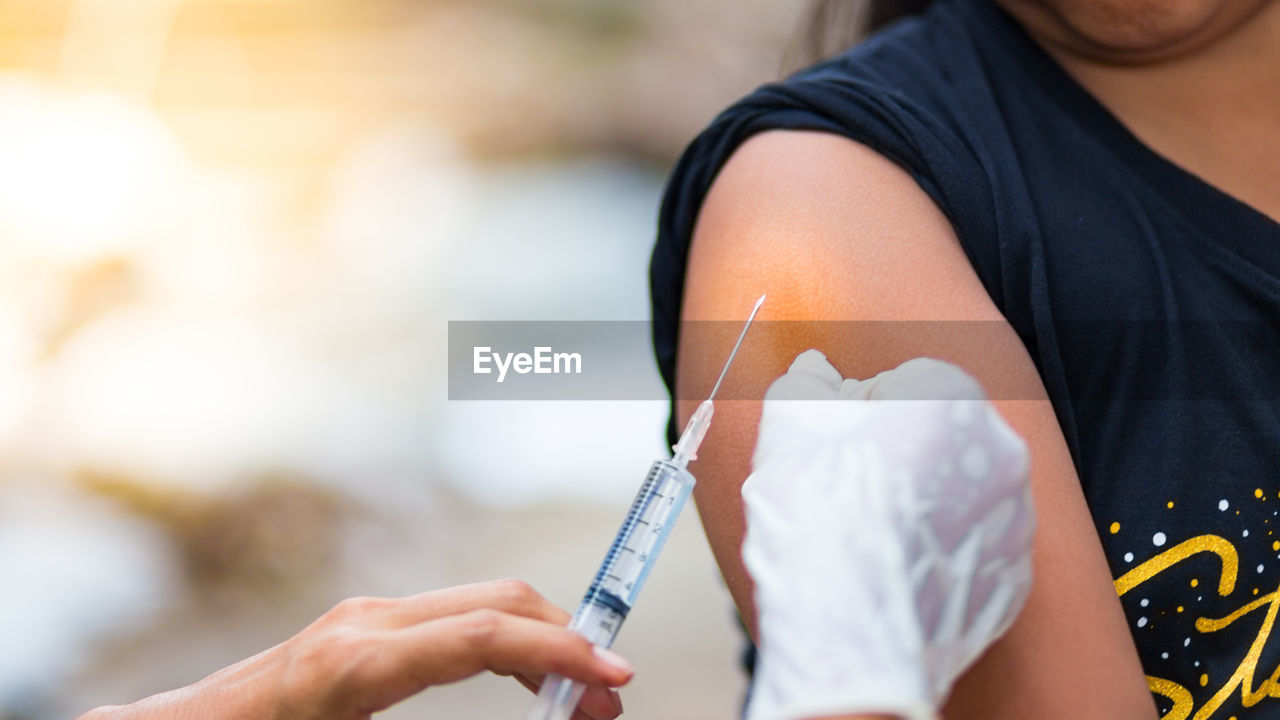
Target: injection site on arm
<point x="841" y="235"/>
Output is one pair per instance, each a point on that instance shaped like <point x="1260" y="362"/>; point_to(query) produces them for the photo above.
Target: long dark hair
<point x="831" y="26"/>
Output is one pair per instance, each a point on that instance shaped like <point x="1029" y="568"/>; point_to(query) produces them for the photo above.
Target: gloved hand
<point x="889" y="528"/>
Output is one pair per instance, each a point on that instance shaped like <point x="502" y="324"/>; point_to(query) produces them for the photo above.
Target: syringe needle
<point x="733" y="353"/>
<point x="686" y="448"/>
<point x="634" y="551"/>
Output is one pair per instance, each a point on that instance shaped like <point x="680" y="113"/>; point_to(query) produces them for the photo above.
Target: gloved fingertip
<point x="813" y="362"/>
<point x="810" y="377"/>
<point x="926" y="378"/>
<point x="854" y="389"/>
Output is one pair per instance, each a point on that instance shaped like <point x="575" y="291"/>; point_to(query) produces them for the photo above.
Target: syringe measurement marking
<point x="559" y="695"/>
<point x="638" y="507"/>
<point x="639" y="537"/>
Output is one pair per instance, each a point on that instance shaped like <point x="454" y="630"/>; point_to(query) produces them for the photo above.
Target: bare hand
<point x="366" y="654"/>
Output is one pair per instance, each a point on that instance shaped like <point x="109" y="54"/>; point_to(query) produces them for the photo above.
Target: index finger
<point x="459" y="646"/>
<point x="514" y="597"/>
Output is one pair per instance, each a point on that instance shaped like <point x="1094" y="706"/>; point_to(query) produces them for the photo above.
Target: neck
<point x="1213" y="109"/>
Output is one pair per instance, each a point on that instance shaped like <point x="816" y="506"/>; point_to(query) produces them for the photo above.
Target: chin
<point x="1135" y="30"/>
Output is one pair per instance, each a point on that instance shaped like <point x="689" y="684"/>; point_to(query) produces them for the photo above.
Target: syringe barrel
<point x="559" y="695"/>
<point x="643" y="533"/>
<point x="618" y="582"/>
<point x="557" y="699"/>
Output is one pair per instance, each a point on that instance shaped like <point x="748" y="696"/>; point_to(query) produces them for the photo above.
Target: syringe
<point x="635" y="549"/>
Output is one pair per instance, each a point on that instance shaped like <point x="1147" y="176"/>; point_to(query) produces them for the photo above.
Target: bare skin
<point x="1198" y="82"/>
<point x="833" y="231"/>
<point x="367" y="654"/>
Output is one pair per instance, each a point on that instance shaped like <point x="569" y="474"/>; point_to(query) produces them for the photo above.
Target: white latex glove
<point x="889" y="540"/>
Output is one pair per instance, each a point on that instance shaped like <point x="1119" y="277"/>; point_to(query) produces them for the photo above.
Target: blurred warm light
<point x="17" y="359"/>
<point x="83" y="173"/>
<point x="197" y="401"/>
<point x="231" y="235"/>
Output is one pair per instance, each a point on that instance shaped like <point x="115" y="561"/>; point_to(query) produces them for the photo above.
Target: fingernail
<point x="614" y="659"/>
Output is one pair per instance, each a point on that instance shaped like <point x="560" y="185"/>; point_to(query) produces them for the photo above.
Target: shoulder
<point x="836" y="230"/>
<point x="913" y="106"/>
<point x="907" y="94"/>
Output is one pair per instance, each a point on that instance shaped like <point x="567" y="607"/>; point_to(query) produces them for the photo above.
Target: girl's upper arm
<point x="832" y="231"/>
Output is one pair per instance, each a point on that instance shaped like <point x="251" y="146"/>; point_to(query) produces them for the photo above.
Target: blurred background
<point x="232" y="233"/>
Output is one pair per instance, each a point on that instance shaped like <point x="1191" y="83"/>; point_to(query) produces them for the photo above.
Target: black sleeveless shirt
<point x="1148" y="299"/>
